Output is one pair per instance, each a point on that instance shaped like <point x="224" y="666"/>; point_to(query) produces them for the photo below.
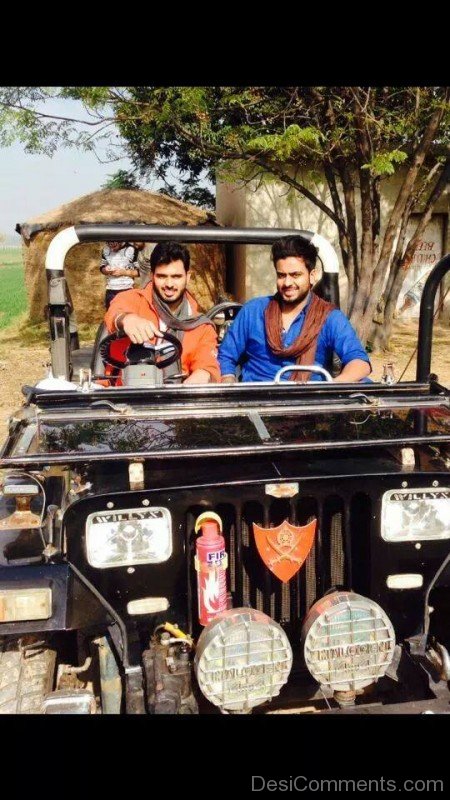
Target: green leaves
<point x="94" y="97"/>
<point x="121" y="180"/>
<point x="295" y="142"/>
<point x="25" y="116"/>
<point x="384" y="163"/>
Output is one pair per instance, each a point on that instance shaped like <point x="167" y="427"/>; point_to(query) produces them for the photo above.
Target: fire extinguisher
<point x="211" y="563"/>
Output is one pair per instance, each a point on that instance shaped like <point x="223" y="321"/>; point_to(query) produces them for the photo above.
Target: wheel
<point x="26" y="676"/>
<point x="162" y="355"/>
<point x="223" y="315"/>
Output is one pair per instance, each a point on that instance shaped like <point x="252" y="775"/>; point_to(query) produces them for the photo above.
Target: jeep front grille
<point x="327" y="565"/>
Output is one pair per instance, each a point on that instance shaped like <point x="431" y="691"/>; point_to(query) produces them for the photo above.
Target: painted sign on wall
<point x="427" y="254"/>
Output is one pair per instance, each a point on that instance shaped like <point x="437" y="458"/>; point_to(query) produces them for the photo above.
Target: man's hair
<point x="297" y="247"/>
<point x="166" y="252"/>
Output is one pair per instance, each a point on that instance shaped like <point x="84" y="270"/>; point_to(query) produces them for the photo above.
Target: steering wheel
<point x="303" y="368"/>
<point x="228" y="308"/>
<point x="156" y="355"/>
<point x="228" y="311"/>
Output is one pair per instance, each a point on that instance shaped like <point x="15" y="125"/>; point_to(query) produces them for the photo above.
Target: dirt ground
<point x="24" y="363"/>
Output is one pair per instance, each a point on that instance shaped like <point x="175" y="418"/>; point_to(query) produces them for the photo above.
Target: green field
<point x="13" y="298"/>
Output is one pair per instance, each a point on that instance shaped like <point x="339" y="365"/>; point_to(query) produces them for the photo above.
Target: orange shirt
<point x="199" y="345"/>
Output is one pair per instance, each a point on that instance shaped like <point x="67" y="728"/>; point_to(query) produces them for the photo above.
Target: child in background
<point x="119" y="264"/>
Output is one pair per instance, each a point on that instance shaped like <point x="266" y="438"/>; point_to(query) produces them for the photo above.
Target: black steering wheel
<point x="228" y="308"/>
<point x="156" y="355"/>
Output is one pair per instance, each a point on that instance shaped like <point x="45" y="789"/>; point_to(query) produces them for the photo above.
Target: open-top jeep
<point x="174" y="548"/>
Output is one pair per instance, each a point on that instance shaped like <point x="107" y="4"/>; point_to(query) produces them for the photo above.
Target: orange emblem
<point x="284" y="549"/>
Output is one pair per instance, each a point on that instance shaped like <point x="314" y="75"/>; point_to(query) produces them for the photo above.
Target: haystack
<point x="86" y="283"/>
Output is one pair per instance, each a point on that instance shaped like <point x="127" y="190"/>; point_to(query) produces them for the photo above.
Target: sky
<point x="31" y="185"/>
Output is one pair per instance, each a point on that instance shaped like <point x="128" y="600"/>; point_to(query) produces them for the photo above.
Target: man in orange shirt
<point x="165" y="304"/>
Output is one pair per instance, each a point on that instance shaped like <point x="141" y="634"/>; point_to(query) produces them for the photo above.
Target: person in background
<point x="119" y="265"/>
<point x="143" y="253"/>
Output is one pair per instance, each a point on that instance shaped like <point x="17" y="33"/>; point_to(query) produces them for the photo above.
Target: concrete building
<point x="273" y="204"/>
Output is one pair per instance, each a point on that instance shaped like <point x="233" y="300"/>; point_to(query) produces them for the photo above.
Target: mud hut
<point x="86" y="283"/>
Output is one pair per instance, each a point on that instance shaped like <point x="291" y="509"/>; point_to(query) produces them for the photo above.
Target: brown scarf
<point x="303" y="350"/>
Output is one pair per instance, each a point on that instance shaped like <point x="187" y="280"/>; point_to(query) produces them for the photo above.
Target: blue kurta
<point x="246" y="343"/>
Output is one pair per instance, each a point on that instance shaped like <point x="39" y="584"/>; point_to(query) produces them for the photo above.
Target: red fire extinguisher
<point x="211" y="563"/>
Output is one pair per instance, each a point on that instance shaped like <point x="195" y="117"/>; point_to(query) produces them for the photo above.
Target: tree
<point x="121" y="180"/>
<point x="357" y="136"/>
<point x="27" y="115"/>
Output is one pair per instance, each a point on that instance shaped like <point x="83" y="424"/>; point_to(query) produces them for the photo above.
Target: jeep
<point x="235" y="548"/>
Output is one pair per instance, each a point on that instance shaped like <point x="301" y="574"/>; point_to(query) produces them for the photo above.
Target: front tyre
<point x="26" y="675"/>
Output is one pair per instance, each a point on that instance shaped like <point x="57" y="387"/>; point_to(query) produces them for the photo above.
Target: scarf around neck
<point x="178" y="322"/>
<point x="303" y="350"/>
<point x="181" y="320"/>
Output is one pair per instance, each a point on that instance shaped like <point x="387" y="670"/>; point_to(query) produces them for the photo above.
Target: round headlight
<point x="348" y="641"/>
<point x="243" y="658"/>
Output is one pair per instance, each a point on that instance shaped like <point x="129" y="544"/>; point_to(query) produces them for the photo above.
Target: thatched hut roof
<point x="117" y="205"/>
<point x="86" y="283"/>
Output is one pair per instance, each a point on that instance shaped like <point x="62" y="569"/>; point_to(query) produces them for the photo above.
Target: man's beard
<point x="288" y="301"/>
<point x="172" y="304"/>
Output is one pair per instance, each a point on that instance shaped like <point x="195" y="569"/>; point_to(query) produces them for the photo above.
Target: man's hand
<point x="228" y="379"/>
<point x="198" y="376"/>
<point x="139" y="329"/>
<point x="354" y="371"/>
<point x="123" y="271"/>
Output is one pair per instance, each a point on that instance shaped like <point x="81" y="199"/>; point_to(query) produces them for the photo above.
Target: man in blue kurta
<point x="294" y="326"/>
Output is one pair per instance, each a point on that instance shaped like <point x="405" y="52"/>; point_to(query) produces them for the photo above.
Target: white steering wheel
<point x="303" y="368"/>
